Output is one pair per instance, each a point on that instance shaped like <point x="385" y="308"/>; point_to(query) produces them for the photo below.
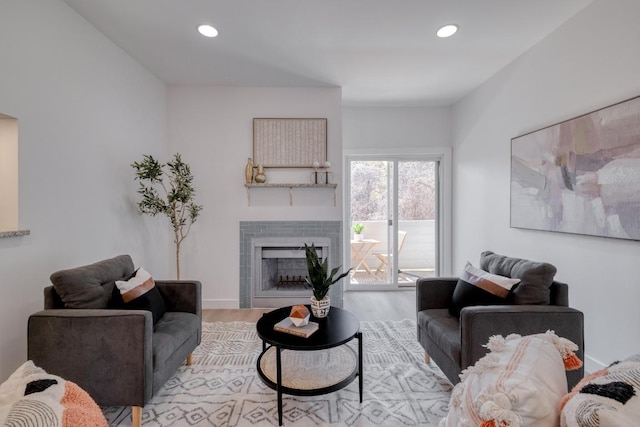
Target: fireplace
<point x="273" y="265"/>
<point x="280" y="267"/>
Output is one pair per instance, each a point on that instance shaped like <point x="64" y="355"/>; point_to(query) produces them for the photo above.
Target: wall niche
<point x="9" y="200"/>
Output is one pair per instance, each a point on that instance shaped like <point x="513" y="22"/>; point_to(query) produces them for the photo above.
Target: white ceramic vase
<point x="358" y="237"/>
<point x="320" y="308"/>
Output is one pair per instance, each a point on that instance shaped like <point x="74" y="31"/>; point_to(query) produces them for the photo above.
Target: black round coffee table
<point x="306" y="371"/>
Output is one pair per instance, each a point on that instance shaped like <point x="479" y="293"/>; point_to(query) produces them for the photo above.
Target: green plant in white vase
<point x="168" y="189"/>
<point x="320" y="281"/>
<point x="357" y="231"/>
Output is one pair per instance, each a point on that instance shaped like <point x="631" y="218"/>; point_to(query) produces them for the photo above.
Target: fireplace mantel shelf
<point x="290" y="186"/>
<point x="14" y="233"/>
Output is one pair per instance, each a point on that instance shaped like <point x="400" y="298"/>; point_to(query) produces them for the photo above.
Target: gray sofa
<point x="540" y="304"/>
<point x="114" y="352"/>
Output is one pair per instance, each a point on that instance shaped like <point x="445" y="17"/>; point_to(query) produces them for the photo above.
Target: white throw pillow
<point x="519" y="383"/>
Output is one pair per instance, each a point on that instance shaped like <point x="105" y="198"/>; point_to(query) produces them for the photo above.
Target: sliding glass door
<point x="393" y="201"/>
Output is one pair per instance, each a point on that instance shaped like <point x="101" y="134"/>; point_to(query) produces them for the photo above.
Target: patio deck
<point x="417" y="257"/>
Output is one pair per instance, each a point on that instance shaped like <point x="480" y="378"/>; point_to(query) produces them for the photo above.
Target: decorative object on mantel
<point x="286" y="143"/>
<point x="320" y="281"/>
<point x="314" y="175"/>
<point x="357" y="232"/>
<point x="248" y="171"/>
<point x="327" y="176"/>
<point x="580" y="176"/>
<point x="260" y="177"/>
<point x="177" y="200"/>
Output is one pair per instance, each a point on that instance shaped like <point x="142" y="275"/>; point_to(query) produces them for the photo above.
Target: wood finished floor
<point x="366" y="305"/>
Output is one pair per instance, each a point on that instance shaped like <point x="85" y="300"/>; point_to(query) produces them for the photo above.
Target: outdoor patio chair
<point x="385" y="257"/>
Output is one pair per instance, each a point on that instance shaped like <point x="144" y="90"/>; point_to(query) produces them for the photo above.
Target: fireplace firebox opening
<point x="280" y="268"/>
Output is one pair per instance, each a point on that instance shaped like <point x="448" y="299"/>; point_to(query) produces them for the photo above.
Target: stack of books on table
<point x="287" y="326"/>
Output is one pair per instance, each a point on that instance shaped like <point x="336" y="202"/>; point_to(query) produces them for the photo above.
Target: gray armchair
<point x="457" y="343"/>
<point x="117" y="355"/>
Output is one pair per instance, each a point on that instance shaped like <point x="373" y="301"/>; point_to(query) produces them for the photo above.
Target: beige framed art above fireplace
<point x="289" y="143"/>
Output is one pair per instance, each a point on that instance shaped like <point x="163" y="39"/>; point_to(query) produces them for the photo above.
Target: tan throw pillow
<point x="478" y="287"/>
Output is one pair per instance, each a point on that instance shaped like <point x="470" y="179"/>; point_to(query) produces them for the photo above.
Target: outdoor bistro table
<point x="301" y="370"/>
<point x="360" y="250"/>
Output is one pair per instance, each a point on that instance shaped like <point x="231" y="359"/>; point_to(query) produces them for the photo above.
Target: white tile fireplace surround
<point x="273" y="264"/>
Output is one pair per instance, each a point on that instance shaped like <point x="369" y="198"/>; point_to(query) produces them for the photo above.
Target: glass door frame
<point x="441" y="155"/>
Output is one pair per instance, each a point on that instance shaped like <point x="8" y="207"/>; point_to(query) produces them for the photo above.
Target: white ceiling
<point x="381" y="52"/>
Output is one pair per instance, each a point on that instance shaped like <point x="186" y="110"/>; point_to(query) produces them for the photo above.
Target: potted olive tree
<point x="320" y="281"/>
<point x="168" y="189"/>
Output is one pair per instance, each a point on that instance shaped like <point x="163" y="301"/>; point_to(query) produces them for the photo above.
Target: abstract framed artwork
<point x="580" y="176"/>
<point x="289" y="143"/>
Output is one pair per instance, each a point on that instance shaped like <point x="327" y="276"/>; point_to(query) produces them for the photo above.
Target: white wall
<point x="86" y="110"/>
<point x="590" y="62"/>
<point x="212" y="127"/>
<point x="371" y="128"/>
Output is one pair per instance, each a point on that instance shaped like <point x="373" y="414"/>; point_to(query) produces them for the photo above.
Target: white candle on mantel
<point x="327" y="165"/>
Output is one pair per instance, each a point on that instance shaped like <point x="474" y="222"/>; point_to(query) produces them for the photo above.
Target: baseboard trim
<point x="592" y="365"/>
<point x="220" y="303"/>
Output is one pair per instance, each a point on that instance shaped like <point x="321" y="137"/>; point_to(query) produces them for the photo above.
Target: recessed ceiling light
<point x="447" y="30"/>
<point x="207" y="30"/>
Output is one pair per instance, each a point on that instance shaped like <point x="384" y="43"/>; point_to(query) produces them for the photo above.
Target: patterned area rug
<point x="222" y="388"/>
